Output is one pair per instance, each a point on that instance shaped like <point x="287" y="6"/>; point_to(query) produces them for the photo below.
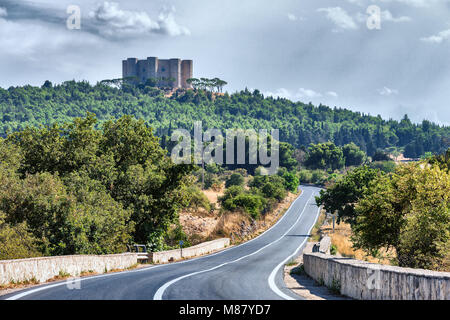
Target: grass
<point x="87" y="273"/>
<point x="134" y="266"/>
<point x="18" y="284"/>
<point x="342" y="244"/>
<point x="291" y="263"/>
<point x="61" y="276"/>
<point x="335" y="287"/>
<point x="300" y="270"/>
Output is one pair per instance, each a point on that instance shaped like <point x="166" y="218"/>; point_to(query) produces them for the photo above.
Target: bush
<point x="236" y="198"/>
<point x="197" y="199"/>
<point x="16" y="242"/>
<point x="250" y="203"/>
<point x="235" y="179"/>
<point x="385" y="166"/>
<point x="274" y="190"/>
<point x="291" y="180"/>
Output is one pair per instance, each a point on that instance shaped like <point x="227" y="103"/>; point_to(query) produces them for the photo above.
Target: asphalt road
<point x="250" y="271"/>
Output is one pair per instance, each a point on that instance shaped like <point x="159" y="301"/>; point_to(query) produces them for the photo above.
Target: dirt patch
<point x="202" y="226"/>
<point x="213" y="196"/>
<point x="239" y="227"/>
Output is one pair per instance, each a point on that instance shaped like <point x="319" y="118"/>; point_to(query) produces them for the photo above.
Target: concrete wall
<point x="45" y="268"/>
<point x="369" y="281"/>
<point x="194" y="251"/>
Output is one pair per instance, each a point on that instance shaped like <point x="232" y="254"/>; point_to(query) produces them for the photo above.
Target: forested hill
<point x="300" y="124"/>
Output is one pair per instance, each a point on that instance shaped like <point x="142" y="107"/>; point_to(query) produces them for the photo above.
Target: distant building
<point x="153" y="68"/>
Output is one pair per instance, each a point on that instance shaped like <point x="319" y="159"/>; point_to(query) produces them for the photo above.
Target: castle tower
<point x="187" y="72"/>
<point x="129" y="68"/>
<point x="175" y="71"/>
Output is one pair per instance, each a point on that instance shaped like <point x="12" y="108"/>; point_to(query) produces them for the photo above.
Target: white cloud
<point x="332" y="94"/>
<point x="3" y="12"/>
<point x="307" y="93"/>
<point x="111" y="21"/>
<point x="168" y="25"/>
<point x="357" y="2"/>
<point x="417" y="3"/>
<point x="387" y="91"/>
<point x="340" y="18"/>
<point x="440" y="37"/>
<point x="302" y="94"/>
<point x="387" y="16"/>
<point x="292" y="17"/>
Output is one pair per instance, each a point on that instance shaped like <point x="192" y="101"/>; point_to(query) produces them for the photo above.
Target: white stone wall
<point x="369" y="281"/>
<point x="45" y="268"/>
<point x="194" y="251"/>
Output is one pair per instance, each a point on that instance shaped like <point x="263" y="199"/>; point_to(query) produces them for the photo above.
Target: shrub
<point x="250" y="203"/>
<point x="197" y="199"/>
<point x="236" y="179"/>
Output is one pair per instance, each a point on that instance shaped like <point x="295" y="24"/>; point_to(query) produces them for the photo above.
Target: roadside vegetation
<point x="403" y="215"/>
<point x="92" y="185"/>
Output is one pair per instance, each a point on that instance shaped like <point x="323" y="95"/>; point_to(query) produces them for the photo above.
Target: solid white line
<point x="45" y="287"/>
<point x="271" y="279"/>
<point x="159" y="293"/>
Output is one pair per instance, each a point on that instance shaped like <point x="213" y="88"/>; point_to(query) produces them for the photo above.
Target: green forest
<point x="300" y="124"/>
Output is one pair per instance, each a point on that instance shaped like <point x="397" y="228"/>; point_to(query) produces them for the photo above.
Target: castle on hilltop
<point x="168" y="73"/>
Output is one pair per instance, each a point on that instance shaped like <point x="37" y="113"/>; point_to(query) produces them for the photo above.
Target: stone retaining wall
<point x="369" y="281"/>
<point x="45" y="268"/>
<point x="194" y="251"/>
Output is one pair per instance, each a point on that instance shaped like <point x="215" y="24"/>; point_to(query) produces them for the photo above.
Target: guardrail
<point x="140" y="250"/>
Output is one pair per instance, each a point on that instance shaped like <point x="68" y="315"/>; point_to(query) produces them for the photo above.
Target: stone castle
<point x="153" y="68"/>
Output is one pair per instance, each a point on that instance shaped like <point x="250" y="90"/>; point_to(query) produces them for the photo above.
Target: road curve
<point x="250" y="271"/>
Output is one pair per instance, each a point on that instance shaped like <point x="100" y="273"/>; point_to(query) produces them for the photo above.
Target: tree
<point x="82" y="190"/>
<point x="287" y="159"/>
<point x="353" y="155"/>
<point x="325" y="156"/>
<point x="381" y="156"/>
<point x="409" y="211"/>
<point x="342" y="197"/>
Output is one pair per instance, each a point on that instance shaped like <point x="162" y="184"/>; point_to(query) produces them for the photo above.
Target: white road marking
<point x="271" y="279"/>
<point x="159" y="293"/>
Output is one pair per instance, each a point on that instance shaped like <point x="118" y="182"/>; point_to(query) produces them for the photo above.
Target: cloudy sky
<point x="308" y="50"/>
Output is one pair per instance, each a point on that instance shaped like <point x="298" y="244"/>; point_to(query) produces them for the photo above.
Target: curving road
<point x="250" y="271"/>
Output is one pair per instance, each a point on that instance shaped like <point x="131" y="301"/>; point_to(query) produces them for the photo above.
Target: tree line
<point x="300" y="124"/>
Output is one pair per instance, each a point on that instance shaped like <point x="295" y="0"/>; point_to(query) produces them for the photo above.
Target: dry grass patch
<point x="341" y="238"/>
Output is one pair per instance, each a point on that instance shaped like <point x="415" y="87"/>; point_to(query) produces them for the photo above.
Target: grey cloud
<point x="113" y="22"/>
<point x="107" y="20"/>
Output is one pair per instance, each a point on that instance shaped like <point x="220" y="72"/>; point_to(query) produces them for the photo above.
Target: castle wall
<point x="154" y="68"/>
